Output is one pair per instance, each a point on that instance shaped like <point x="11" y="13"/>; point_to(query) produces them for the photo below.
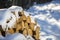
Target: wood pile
<point x="24" y="26"/>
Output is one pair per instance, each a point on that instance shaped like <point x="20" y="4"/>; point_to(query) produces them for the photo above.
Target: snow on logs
<point x="24" y="26"/>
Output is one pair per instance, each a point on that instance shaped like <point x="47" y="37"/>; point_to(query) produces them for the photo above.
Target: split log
<point x="19" y="27"/>
<point x="24" y="17"/>
<point x="20" y="13"/>
<point x="25" y="32"/>
<point x="30" y="32"/>
<point x="22" y="24"/>
<point x="28" y="19"/>
<point x="37" y="33"/>
<point x="32" y="26"/>
<point x="26" y="25"/>
<point x="11" y="31"/>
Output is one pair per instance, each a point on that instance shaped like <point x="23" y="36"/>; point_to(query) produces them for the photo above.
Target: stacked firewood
<point x="24" y="26"/>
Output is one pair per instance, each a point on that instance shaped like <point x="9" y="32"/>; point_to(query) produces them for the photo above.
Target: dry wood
<point x="37" y="29"/>
<point x="30" y="32"/>
<point x="10" y="30"/>
<point x="22" y="24"/>
<point x="32" y="26"/>
<point x="23" y="17"/>
<point x="26" y="25"/>
<point x="19" y="27"/>
<point x="37" y="33"/>
<point x="28" y="19"/>
<point x="25" y="32"/>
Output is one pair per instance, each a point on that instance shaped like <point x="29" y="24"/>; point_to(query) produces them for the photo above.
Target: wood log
<point x="37" y="36"/>
<point x="23" y="17"/>
<point x="30" y="32"/>
<point x="19" y="20"/>
<point x="25" y="32"/>
<point x="32" y="26"/>
<point x="35" y="22"/>
<point x="19" y="27"/>
<point x="37" y="29"/>
<point x="11" y="31"/>
<point x="22" y="24"/>
<point x="15" y="25"/>
<point x="26" y="25"/>
<point x="28" y="19"/>
<point x="20" y="13"/>
<point x="37" y="33"/>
